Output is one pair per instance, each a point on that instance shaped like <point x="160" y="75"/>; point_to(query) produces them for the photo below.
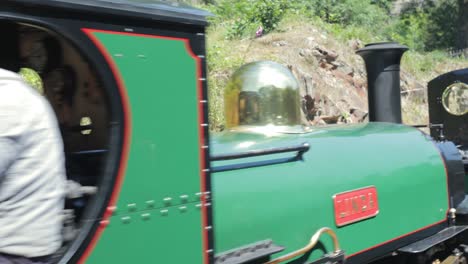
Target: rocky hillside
<point x="332" y="77"/>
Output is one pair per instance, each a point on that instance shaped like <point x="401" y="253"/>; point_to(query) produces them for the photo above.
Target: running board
<point x="259" y="252"/>
<point x="425" y="244"/>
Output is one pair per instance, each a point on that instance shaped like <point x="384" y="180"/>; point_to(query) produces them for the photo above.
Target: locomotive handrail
<point x="88" y="152"/>
<point x="77" y="128"/>
<point x="313" y="241"/>
<point x="301" y="149"/>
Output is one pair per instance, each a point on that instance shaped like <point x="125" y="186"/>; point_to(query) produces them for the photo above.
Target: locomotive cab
<point x="109" y="70"/>
<point x="68" y="80"/>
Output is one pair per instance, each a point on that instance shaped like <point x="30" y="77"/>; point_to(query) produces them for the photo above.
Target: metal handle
<point x="88" y="152"/>
<point x="313" y="241"/>
<point x="301" y="149"/>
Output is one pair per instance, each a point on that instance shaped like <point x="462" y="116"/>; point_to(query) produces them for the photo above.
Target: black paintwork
<point x="387" y="249"/>
<point x="462" y="212"/>
<point x="257" y="253"/>
<point x="134" y="9"/>
<point x="454" y="128"/>
<point x="332" y="258"/>
<point x="301" y="149"/>
<point x="440" y="237"/>
<point x="383" y="78"/>
<point x="67" y="18"/>
<point x="455" y="171"/>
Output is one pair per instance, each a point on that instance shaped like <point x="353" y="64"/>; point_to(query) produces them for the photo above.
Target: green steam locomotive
<point x="148" y="183"/>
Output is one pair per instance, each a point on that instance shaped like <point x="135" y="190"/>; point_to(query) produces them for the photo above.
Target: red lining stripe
<point x="443" y="162"/>
<point x="423" y="228"/>
<point x="446" y="174"/>
<point x="394" y="239"/>
<point x="202" y="136"/>
<point x="127" y="135"/>
<point x="125" y="145"/>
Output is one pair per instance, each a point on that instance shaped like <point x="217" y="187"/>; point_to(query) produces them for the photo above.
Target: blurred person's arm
<point x="9" y="129"/>
<point x="7" y="154"/>
<point x="17" y="109"/>
<point x="8" y="144"/>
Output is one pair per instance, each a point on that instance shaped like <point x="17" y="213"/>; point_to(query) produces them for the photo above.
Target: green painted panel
<point x="160" y="78"/>
<point x="290" y="202"/>
<point x="156" y="236"/>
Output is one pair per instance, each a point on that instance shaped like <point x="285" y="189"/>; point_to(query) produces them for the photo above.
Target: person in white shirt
<point x="32" y="170"/>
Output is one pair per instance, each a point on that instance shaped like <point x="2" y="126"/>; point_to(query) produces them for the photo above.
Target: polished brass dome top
<point x="263" y="93"/>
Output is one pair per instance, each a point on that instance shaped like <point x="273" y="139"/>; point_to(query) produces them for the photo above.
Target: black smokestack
<point x="383" y="78"/>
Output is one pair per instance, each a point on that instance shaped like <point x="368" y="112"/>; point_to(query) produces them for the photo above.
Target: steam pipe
<point x="383" y="77"/>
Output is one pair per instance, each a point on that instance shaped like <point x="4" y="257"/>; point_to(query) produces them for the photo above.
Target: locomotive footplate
<point x="258" y="252"/>
<point x="334" y="258"/>
<point x="425" y="244"/>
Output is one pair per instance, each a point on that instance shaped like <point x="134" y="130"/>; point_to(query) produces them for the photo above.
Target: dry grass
<point x="296" y="35"/>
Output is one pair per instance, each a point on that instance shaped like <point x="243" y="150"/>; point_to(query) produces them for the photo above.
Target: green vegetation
<point x="431" y="26"/>
<point x="429" y="29"/>
<point x="246" y="16"/>
<point x="425" y="26"/>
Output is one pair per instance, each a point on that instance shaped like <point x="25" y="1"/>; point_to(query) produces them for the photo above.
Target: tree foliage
<point x="424" y="26"/>
<point x="245" y="16"/>
<point x="462" y="41"/>
<point x="430" y="26"/>
<point x="347" y="12"/>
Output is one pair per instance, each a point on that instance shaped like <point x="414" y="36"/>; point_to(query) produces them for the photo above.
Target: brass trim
<point x="313" y="241"/>
<point x="457" y="99"/>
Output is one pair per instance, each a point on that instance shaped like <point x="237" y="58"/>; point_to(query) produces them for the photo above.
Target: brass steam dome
<point x="263" y="94"/>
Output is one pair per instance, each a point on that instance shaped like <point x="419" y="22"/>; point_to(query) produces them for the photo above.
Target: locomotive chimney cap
<point x="383" y="46"/>
<point x="382" y="62"/>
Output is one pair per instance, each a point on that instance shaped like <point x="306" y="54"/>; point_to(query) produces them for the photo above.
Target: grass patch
<point x="226" y="54"/>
